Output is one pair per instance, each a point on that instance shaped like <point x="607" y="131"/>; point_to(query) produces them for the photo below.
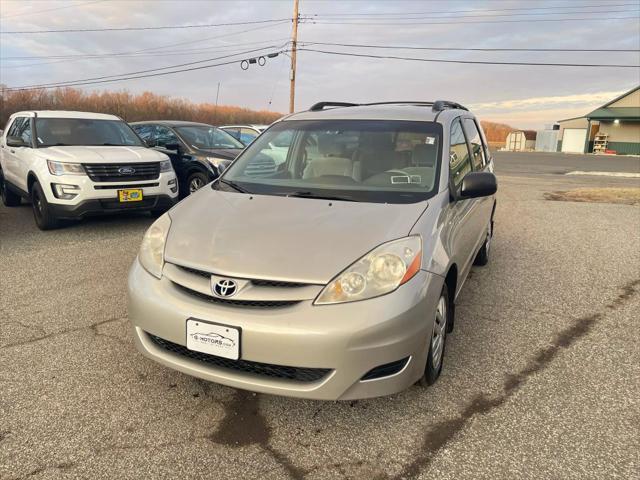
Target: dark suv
<point x="199" y="152"/>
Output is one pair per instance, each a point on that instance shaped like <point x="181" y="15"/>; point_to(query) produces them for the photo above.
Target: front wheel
<point x="437" y="341"/>
<point x="45" y="220"/>
<point x="196" y="181"/>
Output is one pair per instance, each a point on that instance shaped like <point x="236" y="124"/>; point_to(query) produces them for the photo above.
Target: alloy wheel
<point x="195" y="184"/>
<point x="439" y="333"/>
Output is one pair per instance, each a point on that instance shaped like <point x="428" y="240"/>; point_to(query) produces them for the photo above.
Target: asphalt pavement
<point x="541" y="376"/>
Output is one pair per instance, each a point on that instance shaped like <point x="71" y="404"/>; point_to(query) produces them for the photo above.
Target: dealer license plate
<point x="213" y="338"/>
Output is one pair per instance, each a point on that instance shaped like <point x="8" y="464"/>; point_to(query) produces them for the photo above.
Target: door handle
<point x="12" y="151"/>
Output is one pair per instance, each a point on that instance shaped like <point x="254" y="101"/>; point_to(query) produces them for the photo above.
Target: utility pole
<point x="215" y="110"/>
<point x="294" y="45"/>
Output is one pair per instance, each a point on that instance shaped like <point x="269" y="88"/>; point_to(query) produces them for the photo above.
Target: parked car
<point x="74" y="164"/>
<point x="245" y="133"/>
<point x="333" y="277"/>
<point x="198" y="152"/>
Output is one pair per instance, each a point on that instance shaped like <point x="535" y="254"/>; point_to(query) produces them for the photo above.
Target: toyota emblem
<point x="126" y="170"/>
<point x="225" y="288"/>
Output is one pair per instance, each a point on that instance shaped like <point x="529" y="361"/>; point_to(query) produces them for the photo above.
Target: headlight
<point x="379" y="272"/>
<point x="165" y="166"/>
<point x="151" y="253"/>
<point x="63" y="168"/>
<point x="215" y="161"/>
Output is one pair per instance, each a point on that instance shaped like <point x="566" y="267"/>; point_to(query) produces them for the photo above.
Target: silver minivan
<point x="334" y="276"/>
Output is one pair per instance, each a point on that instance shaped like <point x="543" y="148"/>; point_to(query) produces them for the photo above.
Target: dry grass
<point x="626" y="196"/>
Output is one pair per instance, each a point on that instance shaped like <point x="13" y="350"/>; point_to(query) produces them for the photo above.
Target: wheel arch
<point x="31" y="179"/>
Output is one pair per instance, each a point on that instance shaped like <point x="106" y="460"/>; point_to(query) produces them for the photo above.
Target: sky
<point x="522" y="96"/>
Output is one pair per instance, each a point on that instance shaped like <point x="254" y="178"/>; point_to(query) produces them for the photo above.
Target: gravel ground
<point x="541" y="375"/>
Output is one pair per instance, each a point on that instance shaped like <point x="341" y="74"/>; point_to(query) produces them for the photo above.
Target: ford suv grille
<point x="126" y="172"/>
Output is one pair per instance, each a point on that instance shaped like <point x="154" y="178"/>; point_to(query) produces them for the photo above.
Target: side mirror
<point x="172" y="146"/>
<point x="16" y="142"/>
<point x="478" y="184"/>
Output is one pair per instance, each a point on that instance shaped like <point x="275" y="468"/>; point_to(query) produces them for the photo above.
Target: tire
<point x="45" y="220"/>
<point x="195" y="182"/>
<point x="482" y="258"/>
<point x="437" y="339"/>
<point x="9" y="198"/>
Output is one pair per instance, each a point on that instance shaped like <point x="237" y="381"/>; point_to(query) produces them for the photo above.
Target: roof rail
<point x="402" y="102"/>
<point x="440" y="105"/>
<point x="321" y="105"/>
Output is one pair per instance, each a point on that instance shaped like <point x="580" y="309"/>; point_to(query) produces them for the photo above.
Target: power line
<point x="71" y="82"/>
<point x="141" y="54"/>
<point x="49" y="9"/>
<point x="474" y="62"/>
<point x="473" y="11"/>
<point x="132" y="29"/>
<point x="397" y="47"/>
<point x="599" y="19"/>
<point x="191" y="69"/>
<point x="431" y="17"/>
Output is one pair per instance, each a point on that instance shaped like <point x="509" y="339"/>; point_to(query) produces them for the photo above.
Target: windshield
<point x="81" y="131"/>
<point x="356" y="160"/>
<point x="206" y="138"/>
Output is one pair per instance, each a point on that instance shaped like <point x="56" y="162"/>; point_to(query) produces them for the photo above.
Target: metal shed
<point x="521" y="140"/>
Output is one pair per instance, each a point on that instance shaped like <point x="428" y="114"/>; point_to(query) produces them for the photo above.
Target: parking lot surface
<point x="541" y="376"/>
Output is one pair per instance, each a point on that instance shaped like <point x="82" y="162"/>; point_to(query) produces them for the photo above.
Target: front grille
<point x="256" y="282"/>
<point x="296" y="374"/>
<point x="385" y="370"/>
<point x="109" y="172"/>
<point x="238" y="303"/>
<point x="126" y="185"/>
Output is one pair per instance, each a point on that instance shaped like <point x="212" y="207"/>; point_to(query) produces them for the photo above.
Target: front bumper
<point x="348" y="339"/>
<point x="111" y="206"/>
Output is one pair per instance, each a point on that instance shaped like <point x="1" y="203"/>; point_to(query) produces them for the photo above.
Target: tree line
<point x="128" y="106"/>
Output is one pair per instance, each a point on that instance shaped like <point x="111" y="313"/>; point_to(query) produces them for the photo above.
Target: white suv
<point x="76" y="164"/>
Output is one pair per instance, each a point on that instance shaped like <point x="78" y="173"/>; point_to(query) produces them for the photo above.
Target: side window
<point x="459" y="159"/>
<point x="477" y="148"/>
<point x="144" y="131"/>
<point x="165" y="136"/>
<point x="11" y="131"/>
<point x="247" y="135"/>
<point x="21" y="127"/>
<point x="234" y="132"/>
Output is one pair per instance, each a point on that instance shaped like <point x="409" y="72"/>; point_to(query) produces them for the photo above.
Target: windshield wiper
<point x="309" y="194"/>
<point x="234" y="185"/>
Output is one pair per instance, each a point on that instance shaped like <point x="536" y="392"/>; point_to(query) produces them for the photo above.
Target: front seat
<point x="329" y="161"/>
<point x="376" y="153"/>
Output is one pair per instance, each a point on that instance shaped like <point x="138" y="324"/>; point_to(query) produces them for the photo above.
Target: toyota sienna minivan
<point x="334" y="276"/>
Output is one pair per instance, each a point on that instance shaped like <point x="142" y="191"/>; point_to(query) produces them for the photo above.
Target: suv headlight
<point x="165" y="166"/>
<point x="64" y="168"/>
<point x="215" y="161"/>
<point x="151" y="255"/>
<point x="380" y="271"/>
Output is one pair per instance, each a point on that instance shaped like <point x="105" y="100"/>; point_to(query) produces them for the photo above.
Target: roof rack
<point x="321" y="105"/>
<point x="436" y="106"/>
<point x="440" y="105"/>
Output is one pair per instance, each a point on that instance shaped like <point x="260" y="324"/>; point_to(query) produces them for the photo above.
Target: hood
<point x="280" y="238"/>
<point x="224" y="153"/>
<point x="87" y="154"/>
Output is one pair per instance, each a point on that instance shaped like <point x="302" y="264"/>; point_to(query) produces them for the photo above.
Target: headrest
<point x="328" y="146"/>
<point x="424" y="155"/>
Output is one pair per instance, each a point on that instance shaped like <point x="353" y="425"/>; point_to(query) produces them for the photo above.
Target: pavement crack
<point x="93" y="326"/>
<point x="438" y="436"/>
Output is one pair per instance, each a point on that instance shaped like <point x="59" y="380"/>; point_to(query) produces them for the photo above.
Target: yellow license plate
<point x="130" y="195"/>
